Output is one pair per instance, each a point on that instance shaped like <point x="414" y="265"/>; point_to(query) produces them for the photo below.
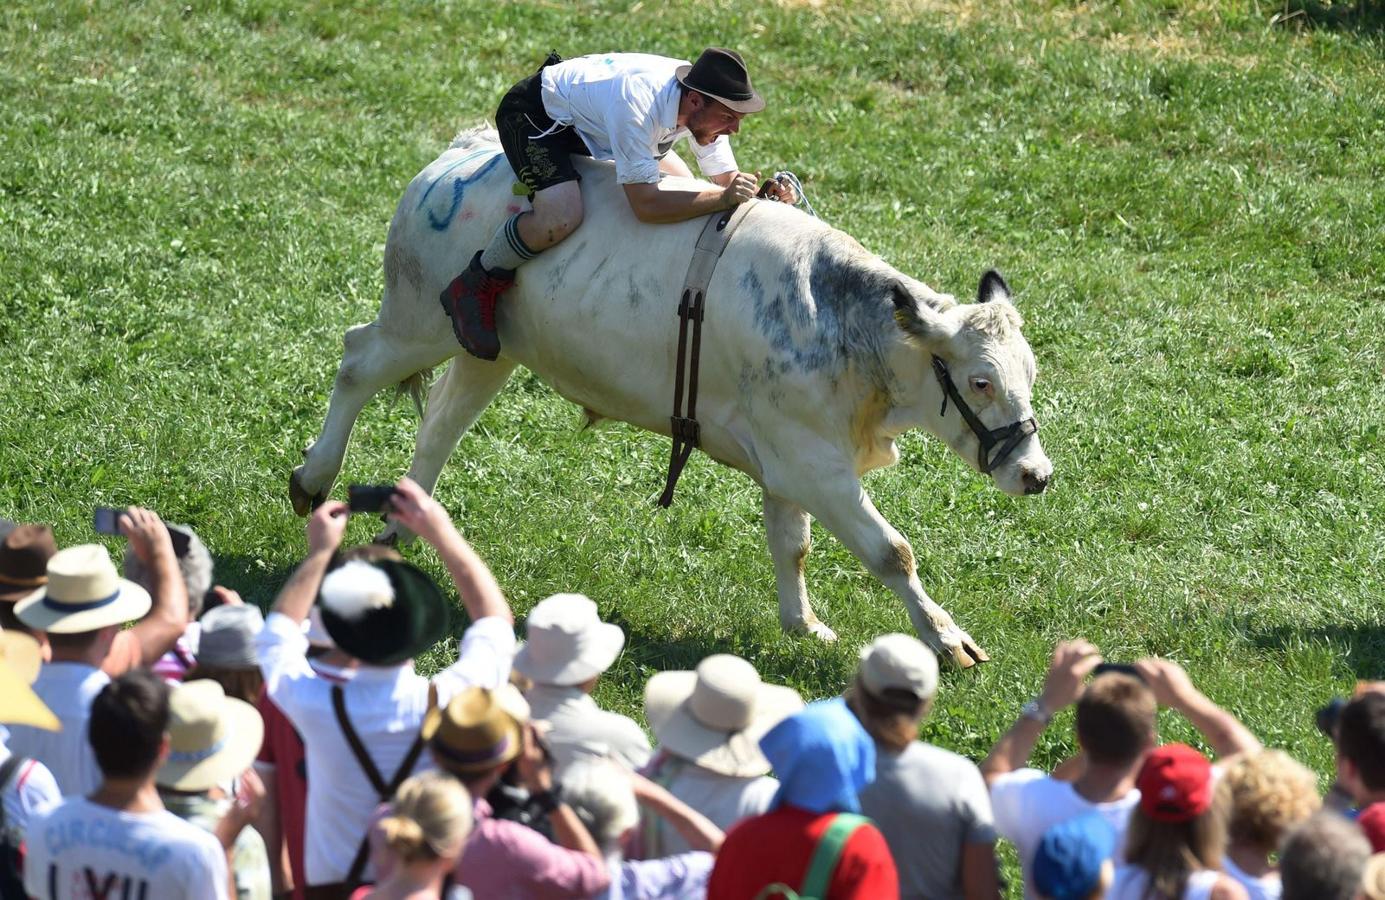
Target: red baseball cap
<point x="1175" y="784"/>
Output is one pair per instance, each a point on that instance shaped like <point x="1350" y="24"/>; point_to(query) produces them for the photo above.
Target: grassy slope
<point x="193" y="203"/>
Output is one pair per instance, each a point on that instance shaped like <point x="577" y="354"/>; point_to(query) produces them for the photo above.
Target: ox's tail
<point x="415" y="387"/>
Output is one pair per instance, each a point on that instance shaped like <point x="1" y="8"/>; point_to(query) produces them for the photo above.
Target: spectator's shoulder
<point x="1022" y="780"/>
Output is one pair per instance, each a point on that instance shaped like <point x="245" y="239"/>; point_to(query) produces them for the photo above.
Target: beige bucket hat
<point x="568" y="643"/>
<point x="212" y="737"/>
<point x="20" y="659"/>
<point x="716" y="715"/>
<point x="83" y="593"/>
<point x="899" y="662"/>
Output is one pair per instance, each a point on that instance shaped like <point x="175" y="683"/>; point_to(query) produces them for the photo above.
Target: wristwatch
<point x="1032" y="710"/>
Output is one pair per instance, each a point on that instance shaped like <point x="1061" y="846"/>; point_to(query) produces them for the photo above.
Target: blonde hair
<point x="1270" y="792"/>
<point x="430" y="818"/>
<point x="892" y="721"/>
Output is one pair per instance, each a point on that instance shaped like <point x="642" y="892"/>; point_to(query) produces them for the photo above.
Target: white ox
<point x="815" y="356"/>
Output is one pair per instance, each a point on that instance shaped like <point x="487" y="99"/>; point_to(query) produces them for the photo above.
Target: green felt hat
<point x="383" y="612"/>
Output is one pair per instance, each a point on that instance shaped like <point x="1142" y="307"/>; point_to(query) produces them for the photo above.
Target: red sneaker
<point x="470" y="303"/>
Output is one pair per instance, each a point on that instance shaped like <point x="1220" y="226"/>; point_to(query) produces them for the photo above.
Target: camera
<point x="1326" y="718"/>
<point x="1121" y="668"/>
<point x="369" y="497"/>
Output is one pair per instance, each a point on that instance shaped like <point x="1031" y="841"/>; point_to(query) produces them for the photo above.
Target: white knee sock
<point x="507" y="249"/>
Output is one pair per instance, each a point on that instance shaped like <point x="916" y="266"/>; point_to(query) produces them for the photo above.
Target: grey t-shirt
<point x="928" y="802"/>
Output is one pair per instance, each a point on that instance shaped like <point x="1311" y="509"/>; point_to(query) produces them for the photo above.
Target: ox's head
<point x="982" y="370"/>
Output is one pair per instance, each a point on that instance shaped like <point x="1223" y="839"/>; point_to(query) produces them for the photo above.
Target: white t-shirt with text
<point x="81" y="850"/>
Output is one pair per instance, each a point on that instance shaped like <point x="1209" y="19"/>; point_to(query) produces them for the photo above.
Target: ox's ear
<point x="993" y="287"/>
<point x="918" y="320"/>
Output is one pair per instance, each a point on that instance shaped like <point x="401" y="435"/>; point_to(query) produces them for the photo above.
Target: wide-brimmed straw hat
<point x="716" y="715"/>
<point x="383" y="612"/>
<point x="24" y="555"/>
<point x="212" y="737"/>
<point x="568" y="643"/>
<point x="472" y="734"/>
<point x="20" y="659"/>
<point x="721" y="75"/>
<point x="83" y="593"/>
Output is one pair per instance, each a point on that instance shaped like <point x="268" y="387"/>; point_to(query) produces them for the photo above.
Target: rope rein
<point x="789" y="178"/>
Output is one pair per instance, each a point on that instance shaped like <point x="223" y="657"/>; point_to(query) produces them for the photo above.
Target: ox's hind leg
<point x="372" y="358"/>
<point x="790" y="539"/>
<point x="843" y="508"/>
<point x="455" y="402"/>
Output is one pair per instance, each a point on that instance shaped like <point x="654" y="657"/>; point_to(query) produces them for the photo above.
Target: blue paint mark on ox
<point x="459" y="186"/>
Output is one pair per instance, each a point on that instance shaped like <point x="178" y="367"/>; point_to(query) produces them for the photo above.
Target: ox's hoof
<point x="817" y="630"/>
<point x="303" y="502"/>
<point x="967" y="653"/>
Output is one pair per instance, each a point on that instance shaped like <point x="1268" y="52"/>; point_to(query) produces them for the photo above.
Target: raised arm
<point x="691" y="825"/>
<point x="1174" y="689"/>
<point x="1072" y="661"/>
<point x="325" y="529"/>
<point x="167" y="619"/>
<point x="413" y="508"/>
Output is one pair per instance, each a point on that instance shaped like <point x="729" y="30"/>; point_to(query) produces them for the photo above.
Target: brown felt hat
<point x="24" y="556"/>
<point x="721" y="75"/>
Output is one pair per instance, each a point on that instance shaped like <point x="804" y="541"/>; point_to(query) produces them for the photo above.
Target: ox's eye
<point x="982" y="386"/>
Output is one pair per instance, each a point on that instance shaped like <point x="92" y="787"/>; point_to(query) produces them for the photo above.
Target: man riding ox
<point x="627" y="107"/>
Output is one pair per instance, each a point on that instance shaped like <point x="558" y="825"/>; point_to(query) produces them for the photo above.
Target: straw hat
<point x="24" y="555"/>
<point x="383" y="612"/>
<point x="568" y="643"/>
<point x="715" y="716"/>
<point x="83" y="593"/>
<point x="212" y="737"/>
<point x="473" y="733"/>
<point x="19" y="664"/>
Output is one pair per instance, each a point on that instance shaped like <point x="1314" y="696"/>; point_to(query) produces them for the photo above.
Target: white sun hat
<point x="568" y="643"/>
<point x="83" y="593"/>
<point x="715" y="716"/>
<point x="212" y="737"/>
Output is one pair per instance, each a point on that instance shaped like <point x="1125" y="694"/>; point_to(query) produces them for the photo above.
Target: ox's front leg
<point x="843" y="508"/>
<point x="790" y="539"/>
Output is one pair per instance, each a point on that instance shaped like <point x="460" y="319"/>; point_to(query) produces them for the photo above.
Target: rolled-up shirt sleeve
<point x="283" y="652"/>
<point x="629" y="123"/>
<point x="485" y="656"/>
<point x="715" y="158"/>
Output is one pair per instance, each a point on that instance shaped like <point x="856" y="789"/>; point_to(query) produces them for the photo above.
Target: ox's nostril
<point x="1035" y="484"/>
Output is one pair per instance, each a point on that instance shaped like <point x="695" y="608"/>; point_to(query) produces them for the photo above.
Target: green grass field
<point x="1186" y="198"/>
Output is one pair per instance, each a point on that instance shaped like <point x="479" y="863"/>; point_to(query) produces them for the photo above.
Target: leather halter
<point x="1008" y="436"/>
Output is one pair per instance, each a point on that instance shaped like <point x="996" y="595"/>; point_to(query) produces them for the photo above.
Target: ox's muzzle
<point x="1007" y="438"/>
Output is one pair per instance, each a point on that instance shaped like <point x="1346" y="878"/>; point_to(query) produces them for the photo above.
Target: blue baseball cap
<point x="1070" y="855"/>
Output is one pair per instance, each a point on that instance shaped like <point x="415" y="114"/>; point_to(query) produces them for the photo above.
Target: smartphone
<point x="1122" y="668"/>
<point x="369" y="497"/>
<point x="181" y="539"/>
<point x="106" y="520"/>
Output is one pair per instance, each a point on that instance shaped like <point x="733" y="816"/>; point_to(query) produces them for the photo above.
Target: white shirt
<point x="1131" y="883"/>
<point x="577" y="726"/>
<point x="386" y="706"/>
<point x="724" y="799"/>
<point x="624" y="106"/>
<point x="1027" y="802"/>
<point x="31" y="791"/>
<point x="67" y="688"/>
<point x="1266" y="887"/>
<point x="135" y="855"/>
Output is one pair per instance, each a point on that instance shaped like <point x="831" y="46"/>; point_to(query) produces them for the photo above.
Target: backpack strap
<point x="8" y="769"/>
<point x="827" y="853"/>
<point x="385" y="791"/>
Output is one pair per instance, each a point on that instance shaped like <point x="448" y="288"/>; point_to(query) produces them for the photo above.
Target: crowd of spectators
<point x="152" y="748"/>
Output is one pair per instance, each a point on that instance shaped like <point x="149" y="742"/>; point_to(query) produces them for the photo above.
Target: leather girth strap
<point x="372" y="773"/>
<point x="686" y="433"/>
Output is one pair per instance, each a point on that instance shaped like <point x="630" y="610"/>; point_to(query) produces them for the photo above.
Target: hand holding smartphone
<point x="106" y="520"/>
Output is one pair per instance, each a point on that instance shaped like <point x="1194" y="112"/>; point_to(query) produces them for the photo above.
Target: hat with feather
<point x="384" y="612"/>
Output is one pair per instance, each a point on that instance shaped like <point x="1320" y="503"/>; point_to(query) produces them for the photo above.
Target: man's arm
<point x="658" y="205"/>
<point x="536" y="771"/>
<point x="1072" y="660"/>
<point x="325" y="529"/>
<point x="413" y="508"/>
<point x="167" y="618"/>
<point x="980" y="877"/>
<point x="692" y="826"/>
<point x="1174" y="689"/>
